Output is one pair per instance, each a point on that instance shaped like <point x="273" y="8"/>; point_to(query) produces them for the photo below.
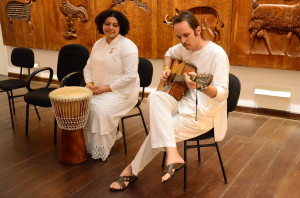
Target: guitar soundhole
<point x="172" y="78"/>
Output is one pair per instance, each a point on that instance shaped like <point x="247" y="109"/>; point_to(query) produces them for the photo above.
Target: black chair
<point x="71" y="60"/>
<point x="20" y="57"/>
<point x="145" y="70"/>
<point x="232" y="100"/>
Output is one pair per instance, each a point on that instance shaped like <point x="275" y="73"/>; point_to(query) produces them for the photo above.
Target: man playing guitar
<point x="171" y="120"/>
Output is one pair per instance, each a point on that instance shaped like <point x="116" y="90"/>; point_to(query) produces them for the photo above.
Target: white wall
<point x="249" y="77"/>
<point x="3" y="56"/>
<point x="284" y="79"/>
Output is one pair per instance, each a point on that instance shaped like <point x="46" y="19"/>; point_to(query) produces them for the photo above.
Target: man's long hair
<point x="190" y="18"/>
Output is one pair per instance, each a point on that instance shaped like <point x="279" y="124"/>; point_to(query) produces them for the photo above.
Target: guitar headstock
<point x="204" y="79"/>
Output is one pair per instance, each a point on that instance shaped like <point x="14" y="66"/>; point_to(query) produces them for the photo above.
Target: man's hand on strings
<point x="165" y="75"/>
<point x="191" y="84"/>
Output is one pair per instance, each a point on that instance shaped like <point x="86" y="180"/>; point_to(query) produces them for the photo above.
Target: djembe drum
<point x="71" y="107"/>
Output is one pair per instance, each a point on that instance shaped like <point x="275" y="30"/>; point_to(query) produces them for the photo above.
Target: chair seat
<point x="204" y="136"/>
<point x="10" y="84"/>
<point x="39" y="97"/>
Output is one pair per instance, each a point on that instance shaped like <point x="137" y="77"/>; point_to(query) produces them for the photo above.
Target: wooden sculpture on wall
<point x="19" y="11"/>
<point x="281" y="19"/>
<point x="138" y="3"/>
<point x="209" y="19"/>
<point x="71" y="11"/>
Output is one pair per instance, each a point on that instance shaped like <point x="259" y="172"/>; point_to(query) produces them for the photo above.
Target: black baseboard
<point x="269" y="112"/>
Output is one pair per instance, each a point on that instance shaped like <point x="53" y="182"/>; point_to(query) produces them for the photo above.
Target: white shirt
<point x="209" y="59"/>
<point x="114" y="64"/>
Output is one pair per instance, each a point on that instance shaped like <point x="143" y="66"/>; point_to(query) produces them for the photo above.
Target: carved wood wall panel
<point x="150" y="34"/>
<point x="50" y="24"/>
<point x="56" y="24"/>
<point x="205" y="11"/>
<point x="266" y="33"/>
<point x="153" y="37"/>
<point x="19" y="33"/>
<point x="142" y="26"/>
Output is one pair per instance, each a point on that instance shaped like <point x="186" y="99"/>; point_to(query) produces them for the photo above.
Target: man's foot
<point x="174" y="163"/>
<point x="125" y="179"/>
<point x="171" y="170"/>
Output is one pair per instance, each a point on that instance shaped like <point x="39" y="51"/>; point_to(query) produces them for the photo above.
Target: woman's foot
<point x="125" y="179"/>
<point x="173" y="157"/>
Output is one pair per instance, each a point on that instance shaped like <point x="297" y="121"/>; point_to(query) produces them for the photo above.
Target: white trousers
<point x="167" y="127"/>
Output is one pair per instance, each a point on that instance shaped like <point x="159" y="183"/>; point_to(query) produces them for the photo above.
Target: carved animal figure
<point x="138" y="3"/>
<point x="209" y="23"/>
<point x="71" y="11"/>
<point x="280" y="18"/>
<point x="19" y="11"/>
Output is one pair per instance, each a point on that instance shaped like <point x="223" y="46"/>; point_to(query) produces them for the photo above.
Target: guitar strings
<point x="196" y="102"/>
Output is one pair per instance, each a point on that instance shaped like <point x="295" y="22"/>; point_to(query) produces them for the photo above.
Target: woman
<point x="112" y="74"/>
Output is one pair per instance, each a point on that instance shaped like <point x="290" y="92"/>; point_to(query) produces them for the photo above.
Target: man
<point x="172" y="121"/>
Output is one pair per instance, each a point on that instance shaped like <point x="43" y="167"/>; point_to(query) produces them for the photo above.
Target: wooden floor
<point x="261" y="156"/>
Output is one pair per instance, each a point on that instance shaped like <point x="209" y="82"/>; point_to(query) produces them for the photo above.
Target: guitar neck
<point x="179" y="78"/>
<point x="201" y="78"/>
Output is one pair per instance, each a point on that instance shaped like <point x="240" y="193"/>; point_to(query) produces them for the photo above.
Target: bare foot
<point x="126" y="172"/>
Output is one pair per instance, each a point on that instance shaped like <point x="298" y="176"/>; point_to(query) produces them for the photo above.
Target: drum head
<point x="70" y="93"/>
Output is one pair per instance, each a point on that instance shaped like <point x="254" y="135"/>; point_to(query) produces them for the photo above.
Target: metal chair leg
<point x="198" y="148"/>
<point x="185" y="167"/>
<point x="221" y="163"/>
<point x="37" y="113"/>
<point x="164" y="159"/>
<point x="143" y="120"/>
<point x="124" y="137"/>
<point x="13" y="102"/>
<point x="11" y="110"/>
<point x="27" y="120"/>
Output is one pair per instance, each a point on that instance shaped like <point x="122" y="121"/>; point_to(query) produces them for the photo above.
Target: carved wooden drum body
<point x="71" y="107"/>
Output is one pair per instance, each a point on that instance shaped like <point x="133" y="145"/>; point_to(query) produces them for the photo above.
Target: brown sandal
<point x="121" y="181"/>
<point x="172" y="170"/>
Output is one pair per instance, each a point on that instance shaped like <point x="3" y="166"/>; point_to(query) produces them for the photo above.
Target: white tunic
<point x="210" y="59"/>
<point x="116" y="65"/>
<point x="172" y="121"/>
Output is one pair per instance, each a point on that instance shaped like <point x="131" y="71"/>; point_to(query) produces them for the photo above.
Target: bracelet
<point x="167" y="67"/>
<point x="202" y="87"/>
<point x="90" y="83"/>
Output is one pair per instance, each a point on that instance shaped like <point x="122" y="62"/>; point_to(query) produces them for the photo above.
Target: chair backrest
<point x="145" y="71"/>
<point x="71" y="58"/>
<point x="22" y="57"/>
<point x="234" y="92"/>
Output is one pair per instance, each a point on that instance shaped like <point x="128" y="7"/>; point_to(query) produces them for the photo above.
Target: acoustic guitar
<point x="176" y="86"/>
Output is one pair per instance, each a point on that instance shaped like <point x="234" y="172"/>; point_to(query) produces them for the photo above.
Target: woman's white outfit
<point x="172" y="121"/>
<point x="116" y="65"/>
